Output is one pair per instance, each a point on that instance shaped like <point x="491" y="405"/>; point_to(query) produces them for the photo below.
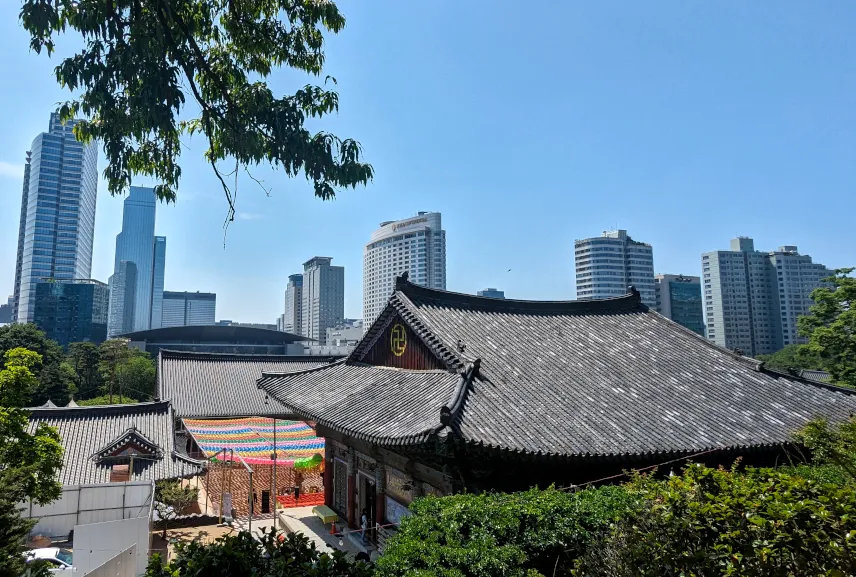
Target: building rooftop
<point x="214" y="334"/>
<point x="93" y="436"/>
<point x="581" y="379"/>
<point x="205" y="385"/>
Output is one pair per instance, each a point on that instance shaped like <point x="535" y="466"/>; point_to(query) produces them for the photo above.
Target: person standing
<point x="364" y="523"/>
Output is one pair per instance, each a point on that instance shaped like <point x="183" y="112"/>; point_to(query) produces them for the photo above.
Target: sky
<point x="527" y="125"/>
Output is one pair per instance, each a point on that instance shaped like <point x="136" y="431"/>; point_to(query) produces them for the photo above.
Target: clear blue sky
<point x="527" y="125"/>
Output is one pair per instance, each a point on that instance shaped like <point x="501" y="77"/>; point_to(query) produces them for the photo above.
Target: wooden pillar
<point x="352" y="489"/>
<point x="329" y="471"/>
<point x="380" y="493"/>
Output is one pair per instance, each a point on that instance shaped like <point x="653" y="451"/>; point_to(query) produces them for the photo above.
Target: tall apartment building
<point x="323" y="297"/>
<point x="752" y="298"/>
<point x="293" y="317"/>
<point x="184" y="309"/>
<point x="137" y="244"/>
<point x="123" y="298"/>
<point x="608" y="264"/>
<point x="414" y="245"/>
<point x="679" y="298"/>
<point x="71" y="311"/>
<point x="57" y="222"/>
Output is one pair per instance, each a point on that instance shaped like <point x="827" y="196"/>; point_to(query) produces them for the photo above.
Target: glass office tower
<point x="57" y="222"/>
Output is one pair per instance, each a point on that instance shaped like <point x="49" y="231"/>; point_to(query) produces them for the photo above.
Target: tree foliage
<point x="831" y="444"/>
<point x="125" y="371"/>
<point x="530" y="533"/>
<point x="793" y="359"/>
<point x="107" y="400"/>
<point x="17" y="381"/>
<point x="172" y="499"/>
<point x="55" y="382"/>
<point x="83" y="357"/>
<point x="143" y="59"/>
<point x="292" y="555"/>
<point x="831" y="326"/>
<point x="14" y="529"/>
<point x="759" y="522"/>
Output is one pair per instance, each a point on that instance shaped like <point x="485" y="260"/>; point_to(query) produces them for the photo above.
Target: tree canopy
<point x="831" y="326"/>
<point x="55" y="381"/>
<point x="143" y="60"/>
<point x="792" y="359"/>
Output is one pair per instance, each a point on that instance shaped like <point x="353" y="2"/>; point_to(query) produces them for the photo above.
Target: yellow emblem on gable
<point x="398" y="339"/>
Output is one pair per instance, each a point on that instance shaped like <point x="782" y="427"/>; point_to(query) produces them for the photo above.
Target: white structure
<point x="414" y="245"/>
<point x="107" y="520"/>
<point x="57" y="224"/>
<point x="323" y="297"/>
<point x="344" y="335"/>
<point x="752" y="299"/>
<point x="184" y="309"/>
<point x="293" y="318"/>
<point x="607" y="265"/>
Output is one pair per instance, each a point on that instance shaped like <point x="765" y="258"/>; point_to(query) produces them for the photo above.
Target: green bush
<point x="530" y="533"/>
<point x="705" y="522"/>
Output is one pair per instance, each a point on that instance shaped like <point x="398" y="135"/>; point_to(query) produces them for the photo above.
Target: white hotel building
<point x="415" y="245"/>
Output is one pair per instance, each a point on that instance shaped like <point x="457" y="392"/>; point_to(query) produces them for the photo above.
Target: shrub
<point x="530" y="533"/>
<point x="723" y="522"/>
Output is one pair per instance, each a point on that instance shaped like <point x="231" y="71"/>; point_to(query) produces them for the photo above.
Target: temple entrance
<point x="366" y="502"/>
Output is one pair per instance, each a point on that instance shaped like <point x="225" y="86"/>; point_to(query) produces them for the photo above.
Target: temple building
<point x="450" y="392"/>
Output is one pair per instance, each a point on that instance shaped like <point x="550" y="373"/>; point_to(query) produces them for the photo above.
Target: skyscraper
<point x="184" y="309"/>
<point x="137" y="244"/>
<point x="679" y="298"/>
<point x="293" y="317"/>
<point x="71" y="311"/>
<point x="157" y="281"/>
<point x="416" y="245"/>
<point x="323" y="297"/>
<point x="57" y="222"/>
<point x="123" y="292"/>
<point x="608" y="264"/>
<point x="752" y="298"/>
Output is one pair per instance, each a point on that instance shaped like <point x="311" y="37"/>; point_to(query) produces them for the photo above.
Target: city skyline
<point x="764" y="120"/>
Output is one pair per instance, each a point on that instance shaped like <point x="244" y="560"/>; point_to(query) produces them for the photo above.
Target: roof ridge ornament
<point x="402" y="280"/>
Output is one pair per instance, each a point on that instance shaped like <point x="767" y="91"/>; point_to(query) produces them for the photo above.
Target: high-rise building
<point x="293" y="317"/>
<point x="414" y="245"/>
<point x="71" y="311"/>
<point x="157" y="281"/>
<point x="608" y="264"/>
<point x="137" y="244"/>
<point x="123" y="298"/>
<point x="752" y="299"/>
<point x="491" y="293"/>
<point x="183" y="309"/>
<point x="6" y="310"/>
<point x="679" y="298"/>
<point x="323" y="297"/>
<point x="57" y="222"/>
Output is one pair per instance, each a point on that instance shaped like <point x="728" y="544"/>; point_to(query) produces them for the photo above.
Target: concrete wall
<point x="98" y="543"/>
<point x="122" y="565"/>
<point x="83" y="504"/>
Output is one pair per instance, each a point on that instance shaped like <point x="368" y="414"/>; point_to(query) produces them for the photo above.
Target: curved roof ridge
<point x="630" y="300"/>
<point x="302" y="371"/>
<point x="82" y="409"/>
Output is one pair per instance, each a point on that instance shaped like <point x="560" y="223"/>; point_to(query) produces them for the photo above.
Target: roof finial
<point x="632" y="290"/>
<point x="401" y="281"/>
<point x="461" y="346"/>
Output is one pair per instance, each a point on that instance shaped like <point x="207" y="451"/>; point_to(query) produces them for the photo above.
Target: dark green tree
<point x="14" y="529"/>
<point x="831" y="326"/>
<point x="172" y="499"/>
<point x="792" y="359"/>
<point x="292" y="555"/>
<point x="84" y="358"/>
<point x="55" y="383"/>
<point x="143" y="59"/>
<point x="135" y="378"/>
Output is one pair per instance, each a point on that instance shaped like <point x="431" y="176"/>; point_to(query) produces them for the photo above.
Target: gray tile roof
<point x="85" y="431"/>
<point x="205" y="385"/>
<point x="381" y="404"/>
<point x="572" y="378"/>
